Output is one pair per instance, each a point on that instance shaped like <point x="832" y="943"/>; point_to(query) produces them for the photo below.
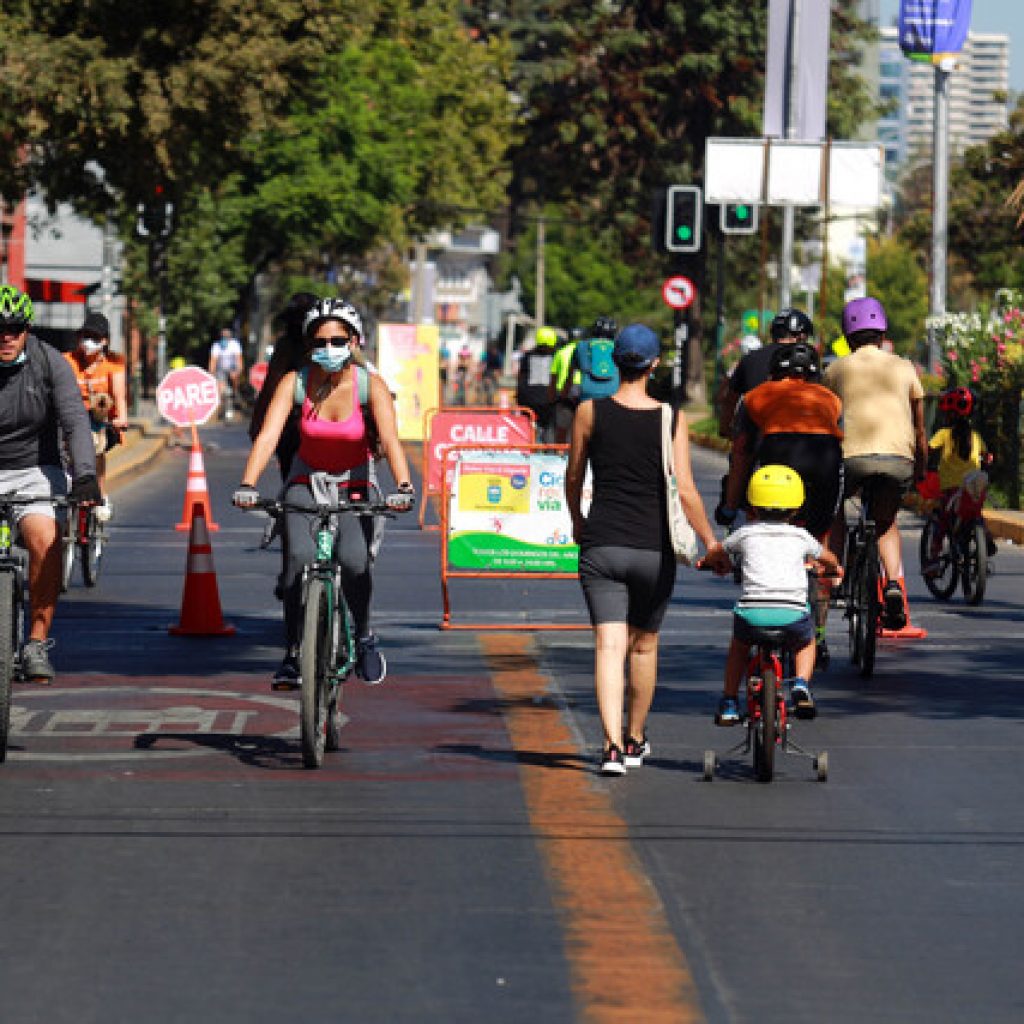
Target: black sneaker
<point x="612" y="761"/>
<point x="35" y="662"/>
<point x="288" y="676"/>
<point x="803" y="699"/>
<point x="895" y="611"/>
<point x="634" y="751"/>
<point x="370" y="664"/>
<point x="728" y="712"/>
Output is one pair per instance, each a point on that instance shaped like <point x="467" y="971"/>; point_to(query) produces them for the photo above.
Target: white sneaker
<point x="105" y="512"/>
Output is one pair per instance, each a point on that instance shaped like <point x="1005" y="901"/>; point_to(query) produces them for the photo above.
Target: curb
<point x="142" y="445"/>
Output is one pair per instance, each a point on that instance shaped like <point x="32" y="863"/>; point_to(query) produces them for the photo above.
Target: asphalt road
<point x="167" y="858"/>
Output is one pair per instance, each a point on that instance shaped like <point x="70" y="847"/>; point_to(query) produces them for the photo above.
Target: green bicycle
<point x="12" y="604"/>
<point x="327" y="649"/>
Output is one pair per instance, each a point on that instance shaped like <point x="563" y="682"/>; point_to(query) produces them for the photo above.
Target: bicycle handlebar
<point x="15" y="500"/>
<point x="360" y="508"/>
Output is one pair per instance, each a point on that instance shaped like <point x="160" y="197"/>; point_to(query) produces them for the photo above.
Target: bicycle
<point x="327" y="648"/>
<point x="85" y="534"/>
<point x="954" y="544"/>
<point x="12" y="604"/>
<point x="767" y="717"/>
<point x="860" y="593"/>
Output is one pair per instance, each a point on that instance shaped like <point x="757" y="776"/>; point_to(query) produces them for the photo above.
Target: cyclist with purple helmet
<point x="883" y="436"/>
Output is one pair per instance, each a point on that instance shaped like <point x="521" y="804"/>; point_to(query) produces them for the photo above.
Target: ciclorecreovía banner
<point x="507" y="513"/>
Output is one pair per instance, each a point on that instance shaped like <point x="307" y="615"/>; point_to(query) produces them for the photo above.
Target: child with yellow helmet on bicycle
<point x="772" y="556"/>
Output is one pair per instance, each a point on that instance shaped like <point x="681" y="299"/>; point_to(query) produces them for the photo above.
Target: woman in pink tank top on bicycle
<point x="334" y="437"/>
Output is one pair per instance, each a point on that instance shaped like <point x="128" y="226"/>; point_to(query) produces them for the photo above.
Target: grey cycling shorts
<point x="44" y="481"/>
<point x="896" y="477"/>
<point x="630" y="585"/>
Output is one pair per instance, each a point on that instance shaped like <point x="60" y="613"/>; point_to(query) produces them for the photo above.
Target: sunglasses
<point x="334" y="341"/>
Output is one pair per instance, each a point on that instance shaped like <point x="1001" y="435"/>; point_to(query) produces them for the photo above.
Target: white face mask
<point x="89" y="346"/>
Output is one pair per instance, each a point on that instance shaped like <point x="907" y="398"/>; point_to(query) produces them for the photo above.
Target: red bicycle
<point x="954" y="542"/>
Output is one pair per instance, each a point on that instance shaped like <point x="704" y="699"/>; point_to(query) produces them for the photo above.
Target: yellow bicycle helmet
<point x="778" y="488"/>
<point x="546" y="336"/>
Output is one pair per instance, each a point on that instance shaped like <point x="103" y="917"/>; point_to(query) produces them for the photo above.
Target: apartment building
<point x="978" y="97"/>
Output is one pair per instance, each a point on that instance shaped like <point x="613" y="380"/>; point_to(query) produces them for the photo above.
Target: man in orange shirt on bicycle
<point x="100" y="374"/>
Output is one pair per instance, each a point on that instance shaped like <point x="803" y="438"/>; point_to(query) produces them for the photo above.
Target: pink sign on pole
<point x="186" y="396"/>
<point x="487" y="427"/>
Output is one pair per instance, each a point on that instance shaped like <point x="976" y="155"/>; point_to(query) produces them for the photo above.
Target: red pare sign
<point x="186" y="396"/>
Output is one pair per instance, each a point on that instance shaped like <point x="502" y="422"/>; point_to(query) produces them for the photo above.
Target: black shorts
<point x="630" y="585"/>
<point x="818" y="458"/>
<point x="894" y="476"/>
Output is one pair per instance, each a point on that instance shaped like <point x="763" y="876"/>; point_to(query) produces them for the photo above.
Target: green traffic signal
<point x="684" y="233"/>
<point x="742" y="212"/>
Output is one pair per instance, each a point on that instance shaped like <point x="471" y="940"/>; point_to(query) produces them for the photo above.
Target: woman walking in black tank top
<point x="627" y="567"/>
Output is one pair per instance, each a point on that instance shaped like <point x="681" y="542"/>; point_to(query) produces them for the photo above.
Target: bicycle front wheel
<point x="8" y="652"/>
<point x="766" y="731"/>
<point x="940" y="579"/>
<point x="91" y="551"/>
<point x="973" y="548"/>
<point x="315" y="665"/>
<point x="67" y="556"/>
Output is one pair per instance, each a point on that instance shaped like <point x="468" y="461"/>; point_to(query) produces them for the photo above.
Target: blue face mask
<point x="332" y="359"/>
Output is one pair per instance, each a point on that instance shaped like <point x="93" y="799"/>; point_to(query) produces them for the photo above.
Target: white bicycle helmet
<point x="333" y="309"/>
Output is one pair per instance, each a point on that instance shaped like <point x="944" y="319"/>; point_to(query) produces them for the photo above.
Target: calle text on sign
<point x="487" y="427"/>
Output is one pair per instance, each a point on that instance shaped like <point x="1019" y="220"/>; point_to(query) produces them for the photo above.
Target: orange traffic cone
<point x="195" y="488"/>
<point x="909" y="631"/>
<point x="200" y="600"/>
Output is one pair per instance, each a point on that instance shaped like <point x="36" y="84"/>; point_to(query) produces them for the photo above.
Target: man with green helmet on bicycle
<point x="40" y="401"/>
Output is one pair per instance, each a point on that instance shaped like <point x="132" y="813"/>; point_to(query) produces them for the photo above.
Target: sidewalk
<point x="143" y="441"/>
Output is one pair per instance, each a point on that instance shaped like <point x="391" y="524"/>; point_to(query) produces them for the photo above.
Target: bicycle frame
<point x="861" y="583"/>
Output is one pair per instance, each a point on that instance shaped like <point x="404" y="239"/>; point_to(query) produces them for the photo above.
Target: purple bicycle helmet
<point x="865" y="314"/>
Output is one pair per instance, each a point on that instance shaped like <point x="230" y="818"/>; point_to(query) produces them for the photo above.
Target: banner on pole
<point x="798" y="48"/>
<point x="933" y="30"/>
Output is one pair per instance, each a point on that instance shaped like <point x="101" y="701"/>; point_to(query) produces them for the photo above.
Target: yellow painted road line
<point x="624" y="959"/>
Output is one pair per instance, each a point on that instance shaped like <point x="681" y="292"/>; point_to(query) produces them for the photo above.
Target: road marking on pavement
<point x="624" y="959"/>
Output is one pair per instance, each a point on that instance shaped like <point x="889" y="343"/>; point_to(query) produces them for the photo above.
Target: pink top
<point x="333" y="447"/>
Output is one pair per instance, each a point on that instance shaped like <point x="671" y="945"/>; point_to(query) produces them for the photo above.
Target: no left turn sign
<point x="678" y="292"/>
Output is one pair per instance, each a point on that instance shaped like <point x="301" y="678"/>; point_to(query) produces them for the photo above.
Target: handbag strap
<point x="666" y="439"/>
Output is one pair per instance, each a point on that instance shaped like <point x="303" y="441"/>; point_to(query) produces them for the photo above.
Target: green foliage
<point x="986" y="246"/>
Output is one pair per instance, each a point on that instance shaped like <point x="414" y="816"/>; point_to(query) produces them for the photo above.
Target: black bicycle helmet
<point x="792" y="323"/>
<point x="796" y="360"/>
<point x="605" y="327"/>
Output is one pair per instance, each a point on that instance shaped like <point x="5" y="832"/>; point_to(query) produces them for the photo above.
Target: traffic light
<point x="683" y="218"/>
<point x="738" y="218"/>
<point x="156" y="215"/>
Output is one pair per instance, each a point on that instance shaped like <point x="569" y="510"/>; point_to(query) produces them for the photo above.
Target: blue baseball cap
<point x="636" y="347"/>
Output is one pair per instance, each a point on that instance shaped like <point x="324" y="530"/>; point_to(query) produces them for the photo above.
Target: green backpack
<point x="599" y="376"/>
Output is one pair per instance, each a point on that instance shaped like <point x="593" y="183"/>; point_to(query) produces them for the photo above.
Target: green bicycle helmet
<point x="15" y="307"/>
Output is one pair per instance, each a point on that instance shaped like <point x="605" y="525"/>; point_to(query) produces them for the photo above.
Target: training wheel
<point x="821" y="764"/>
<point x="709" y="765"/>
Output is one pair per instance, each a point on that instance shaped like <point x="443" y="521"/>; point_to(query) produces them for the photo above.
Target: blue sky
<point x="1006" y="16"/>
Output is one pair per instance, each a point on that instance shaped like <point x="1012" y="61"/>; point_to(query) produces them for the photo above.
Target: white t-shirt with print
<point x="772" y="558"/>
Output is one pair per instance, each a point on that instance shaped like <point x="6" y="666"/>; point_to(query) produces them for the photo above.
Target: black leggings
<point x="351" y="549"/>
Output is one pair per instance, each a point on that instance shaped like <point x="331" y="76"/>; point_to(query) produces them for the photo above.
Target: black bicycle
<point x="327" y="649"/>
<point x="12" y="604"/>
<point x="861" y="588"/>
